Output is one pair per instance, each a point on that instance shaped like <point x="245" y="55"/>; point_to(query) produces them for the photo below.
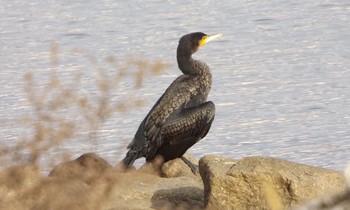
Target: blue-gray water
<point x="281" y="71"/>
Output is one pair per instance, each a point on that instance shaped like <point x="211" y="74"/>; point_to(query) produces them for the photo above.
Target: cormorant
<point x="182" y="115"/>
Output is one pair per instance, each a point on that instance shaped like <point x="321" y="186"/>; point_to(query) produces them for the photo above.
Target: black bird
<point x="182" y="115"/>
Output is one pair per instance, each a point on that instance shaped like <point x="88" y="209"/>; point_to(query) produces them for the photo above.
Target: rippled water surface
<point x="281" y="71"/>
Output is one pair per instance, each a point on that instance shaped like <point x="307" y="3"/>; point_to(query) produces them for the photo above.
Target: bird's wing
<point x="194" y="122"/>
<point x="176" y="96"/>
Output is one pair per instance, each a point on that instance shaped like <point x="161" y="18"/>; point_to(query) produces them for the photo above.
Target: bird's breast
<point x="200" y="95"/>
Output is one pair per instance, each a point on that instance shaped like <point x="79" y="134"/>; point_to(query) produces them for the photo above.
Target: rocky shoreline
<point x="90" y="182"/>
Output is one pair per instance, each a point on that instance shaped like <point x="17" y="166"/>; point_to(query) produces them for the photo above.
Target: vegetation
<point x="61" y="109"/>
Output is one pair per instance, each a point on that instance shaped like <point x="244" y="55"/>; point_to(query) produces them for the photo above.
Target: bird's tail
<point x="129" y="159"/>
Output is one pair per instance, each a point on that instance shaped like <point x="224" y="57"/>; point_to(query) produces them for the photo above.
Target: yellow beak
<point x="214" y="36"/>
<point x="209" y="38"/>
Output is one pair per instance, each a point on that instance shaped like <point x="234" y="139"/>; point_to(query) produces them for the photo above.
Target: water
<point x="281" y="72"/>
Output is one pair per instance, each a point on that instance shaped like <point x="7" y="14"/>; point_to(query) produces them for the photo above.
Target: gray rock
<point x="263" y="183"/>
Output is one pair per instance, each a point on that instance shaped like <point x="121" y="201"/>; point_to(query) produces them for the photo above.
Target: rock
<point x="334" y="201"/>
<point x="89" y="182"/>
<point x="22" y="187"/>
<point x="263" y="183"/>
<point x="331" y="201"/>
<point x="176" y="187"/>
<point x="145" y="191"/>
<point x="16" y="181"/>
<point x="86" y="167"/>
<point x="55" y="194"/>
<point x="141" y="189"/>
<point x="178" y="198"/>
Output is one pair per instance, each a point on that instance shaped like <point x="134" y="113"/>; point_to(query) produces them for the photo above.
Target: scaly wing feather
<point x="174" y="98"/>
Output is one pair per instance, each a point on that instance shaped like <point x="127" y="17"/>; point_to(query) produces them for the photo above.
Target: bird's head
<point x="190" y="43"/>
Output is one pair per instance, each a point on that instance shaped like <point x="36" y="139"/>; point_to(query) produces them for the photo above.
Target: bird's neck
<point x="191" y="66"/>
<point x="185" y="64"/>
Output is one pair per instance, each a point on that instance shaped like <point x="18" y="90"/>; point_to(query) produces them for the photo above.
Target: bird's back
<point x="184" y="92"/>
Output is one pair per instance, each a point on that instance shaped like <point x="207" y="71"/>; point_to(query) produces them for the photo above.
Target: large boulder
<point x="263" y="183"/>
<point x="331" y="201"/>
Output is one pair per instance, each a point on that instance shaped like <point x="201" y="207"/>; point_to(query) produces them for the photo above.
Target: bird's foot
<point x="194" y="168"/>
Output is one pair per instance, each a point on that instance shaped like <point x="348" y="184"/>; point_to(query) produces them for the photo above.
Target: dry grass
<point x="59" y="111"/>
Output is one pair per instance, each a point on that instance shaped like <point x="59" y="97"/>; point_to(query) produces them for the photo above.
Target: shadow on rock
<point x="179" y="198"/>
